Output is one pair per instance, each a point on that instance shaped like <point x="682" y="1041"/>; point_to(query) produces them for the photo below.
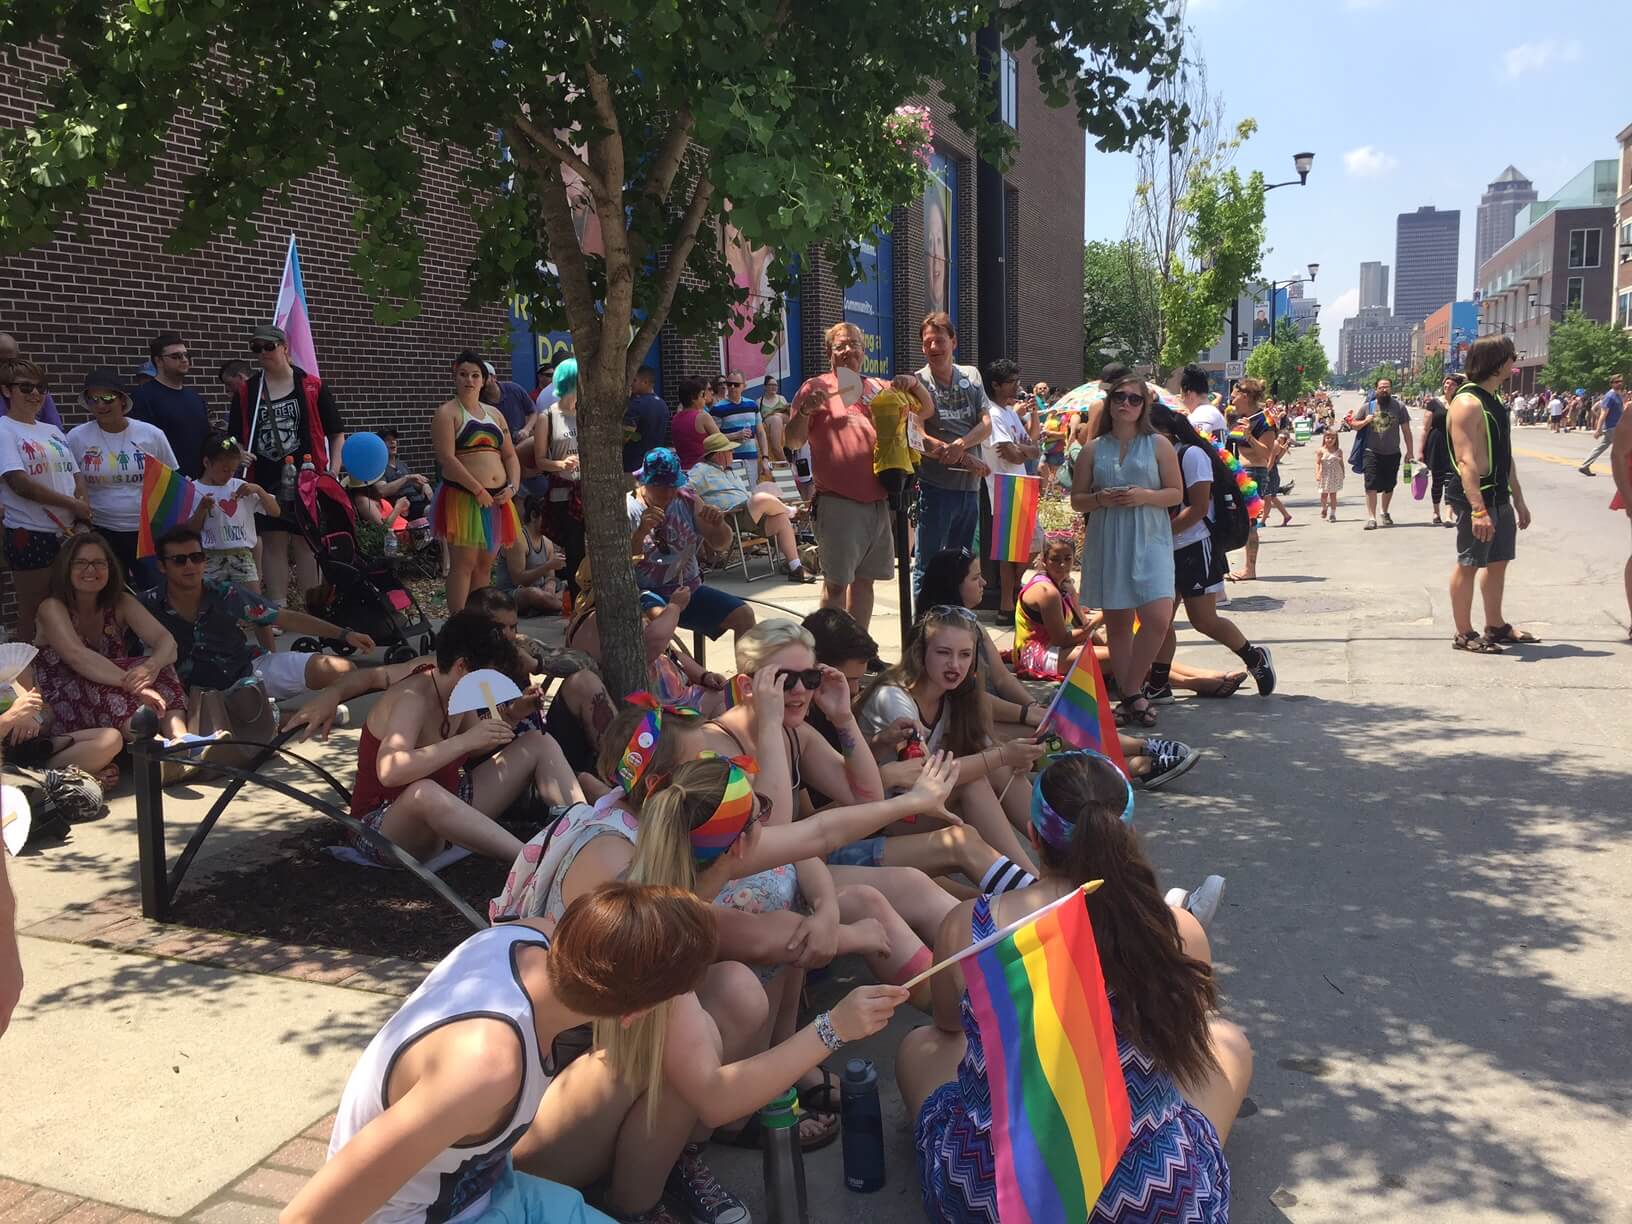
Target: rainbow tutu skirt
<point x="462" y="523"/>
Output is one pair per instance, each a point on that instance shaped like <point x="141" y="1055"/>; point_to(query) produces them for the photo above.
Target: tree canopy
<point x="1581" y="353"/>
<point x="643" y="120"/>
<point x="1116" y="277"/>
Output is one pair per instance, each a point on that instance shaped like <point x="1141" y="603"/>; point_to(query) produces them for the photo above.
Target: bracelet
<point x="825" y="1030"/>
<point x="1025" y="709"/>
<point x="1480" y="513"/>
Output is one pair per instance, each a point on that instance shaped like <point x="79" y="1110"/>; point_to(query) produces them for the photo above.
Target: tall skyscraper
<point x="1373" y="285"/>
<point x="1509" y="192"/>
<point x="1425" y="246"/>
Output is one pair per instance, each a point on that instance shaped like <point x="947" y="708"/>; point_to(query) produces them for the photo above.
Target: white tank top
<point x="477" y="979"/>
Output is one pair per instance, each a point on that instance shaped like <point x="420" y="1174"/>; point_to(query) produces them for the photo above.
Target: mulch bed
<point x="302" y="895"/>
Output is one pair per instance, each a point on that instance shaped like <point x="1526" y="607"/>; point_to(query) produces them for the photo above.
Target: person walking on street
<point x="1484" y="489"/>
<point x="178" y="412"/>
<point x="1555" y="411"/>
<point x="1620" y="461"/>
<point x="1609" y="416"/>
<point x="1436" y="450"/>
<point x="1254" y="440"/>
<point x="949" y="480"/>
<point x="1390" y="423"/>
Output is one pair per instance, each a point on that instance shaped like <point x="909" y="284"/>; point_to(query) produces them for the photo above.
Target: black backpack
<point x="1228" y="520"/>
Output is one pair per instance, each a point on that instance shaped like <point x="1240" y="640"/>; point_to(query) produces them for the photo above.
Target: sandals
<point x="1473" y="643"/>
<point x="1224" y="686"/>
<point x="1129" y="712"/>
<point x="1506" y="635"/>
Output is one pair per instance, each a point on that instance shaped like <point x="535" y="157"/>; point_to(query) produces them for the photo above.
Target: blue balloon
<point x="363" y="457"/>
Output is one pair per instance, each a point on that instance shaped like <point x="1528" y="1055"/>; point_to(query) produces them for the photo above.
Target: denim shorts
<point x="868" y="852"/>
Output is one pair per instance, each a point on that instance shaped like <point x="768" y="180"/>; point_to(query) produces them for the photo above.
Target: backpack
<point x="1228" y="519"/>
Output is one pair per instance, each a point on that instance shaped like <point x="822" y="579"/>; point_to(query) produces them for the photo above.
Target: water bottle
<point x="287" y="489"/>
<point x="784" y="1162"/>
<point x="863" y="1122"/>
<point x="306" y="464"/>
<point x="390" y="542"/>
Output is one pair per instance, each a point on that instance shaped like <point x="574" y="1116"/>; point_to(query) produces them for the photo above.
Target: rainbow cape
<point x="1243" y="482"/>
<point x="1060" y="1113"/>
<point x="1014" y="516"/>
<point x="1080" y="714"/>
<point x="168" y="498"/>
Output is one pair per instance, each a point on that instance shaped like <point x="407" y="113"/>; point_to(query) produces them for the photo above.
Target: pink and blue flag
<point x="291" y="313"/>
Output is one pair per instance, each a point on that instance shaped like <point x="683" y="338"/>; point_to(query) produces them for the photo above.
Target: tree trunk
<point x="602" y="400"/>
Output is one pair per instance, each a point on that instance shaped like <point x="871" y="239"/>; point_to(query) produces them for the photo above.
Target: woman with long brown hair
<point x="1187" y="1069"/>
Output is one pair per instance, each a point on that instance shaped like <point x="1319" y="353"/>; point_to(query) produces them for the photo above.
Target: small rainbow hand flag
<point x="1060" y="1113"/>
<point x="168" y="498"/>
<point x="1080" y="713"/>
<point x="1014" y="516"/>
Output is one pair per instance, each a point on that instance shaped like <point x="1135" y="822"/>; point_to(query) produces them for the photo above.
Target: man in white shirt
<point x="1196" y="396"/>
<point x="1006" y="452"/>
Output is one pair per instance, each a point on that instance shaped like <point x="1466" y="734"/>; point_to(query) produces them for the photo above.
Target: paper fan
<point x="18" y="819"/>
<point x="482" y="690"/>
<point x="850" y="385"/>
<point x="14" y="656"/>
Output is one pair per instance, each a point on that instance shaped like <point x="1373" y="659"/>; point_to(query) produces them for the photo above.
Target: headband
<point x="642" y="745"/>
<point x="715" y="835"/>
<point x="1055" y="829"/>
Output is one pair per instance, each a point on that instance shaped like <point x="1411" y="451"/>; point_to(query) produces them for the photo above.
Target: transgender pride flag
<point x="291" y="313"/>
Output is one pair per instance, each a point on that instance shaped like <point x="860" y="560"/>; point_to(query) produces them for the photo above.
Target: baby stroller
<point x="360" y="592"/>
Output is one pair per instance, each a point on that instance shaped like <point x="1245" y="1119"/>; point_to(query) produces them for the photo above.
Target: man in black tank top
<point x="1483" y="486"/>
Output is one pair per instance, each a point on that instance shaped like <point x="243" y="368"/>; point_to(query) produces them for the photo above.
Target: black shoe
<point x="1158" y="696"/>
<point x="1168" y="759"/>
<point x="1263" y="671"/>
<point x="800" y="575"/>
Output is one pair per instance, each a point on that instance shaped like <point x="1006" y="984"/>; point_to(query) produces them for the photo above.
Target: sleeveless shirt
<point x="477" y="980"/>
<point x="1498" y="427"/>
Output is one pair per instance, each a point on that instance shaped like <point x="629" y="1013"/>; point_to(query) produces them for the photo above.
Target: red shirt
<point x="842" y="440"/>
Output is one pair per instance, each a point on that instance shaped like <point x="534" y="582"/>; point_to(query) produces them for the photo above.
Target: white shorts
<point x="283" y="672"/>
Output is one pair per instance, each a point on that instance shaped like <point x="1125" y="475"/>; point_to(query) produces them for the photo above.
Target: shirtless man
<point x="1256" y="448"/>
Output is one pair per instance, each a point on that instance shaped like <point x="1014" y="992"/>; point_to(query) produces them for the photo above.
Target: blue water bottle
<point x="863" y="1126"/>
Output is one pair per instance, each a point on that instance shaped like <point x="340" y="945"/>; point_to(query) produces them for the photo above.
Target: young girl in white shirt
<point x="225" y="517"/>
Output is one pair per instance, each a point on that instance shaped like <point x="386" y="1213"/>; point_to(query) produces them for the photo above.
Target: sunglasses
<point x="1127" y="397"/>
<point x="105" y="397"/>
<point x="262" y="346"/>
<point x="28" y="388"/>
<point x="810" y="677"/>
<point x="736" y="384"/>
<point x="955" y="610"/>
<point x="184" y="355"/>
<point x="192" y="558"/>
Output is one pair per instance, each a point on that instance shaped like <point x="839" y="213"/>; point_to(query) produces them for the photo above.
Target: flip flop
<point x="1224" y="686"/>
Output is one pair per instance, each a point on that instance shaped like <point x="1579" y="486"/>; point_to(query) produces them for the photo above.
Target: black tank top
<point x="1498" y="426"/>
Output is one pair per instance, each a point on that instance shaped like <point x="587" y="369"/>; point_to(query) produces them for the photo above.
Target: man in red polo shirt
<point x="852" y="513"/>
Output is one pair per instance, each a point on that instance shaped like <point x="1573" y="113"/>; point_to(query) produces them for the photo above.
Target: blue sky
<point x="1404" y="103"/>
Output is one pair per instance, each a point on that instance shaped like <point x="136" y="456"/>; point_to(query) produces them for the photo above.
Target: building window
<point x="1626" y="242"/>
<point x="1584" y="247"/>
<point x="1573" y="293"/>
<point x="1008" y="87"/>
<point x="1623" y="310"/>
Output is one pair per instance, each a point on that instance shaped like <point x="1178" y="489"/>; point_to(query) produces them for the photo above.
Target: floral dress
<point x="79" y="704"/>
<point x="1173" y="1170"/>
<point x="1331" y="471"/>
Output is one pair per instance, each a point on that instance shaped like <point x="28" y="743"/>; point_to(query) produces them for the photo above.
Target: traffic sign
<point x="1235" y="369"/>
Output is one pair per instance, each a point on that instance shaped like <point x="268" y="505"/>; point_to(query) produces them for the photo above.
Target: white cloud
<point x="1537" y="56"/>
<point x="1368" y="161"/>
<point x="1344" y="306"/>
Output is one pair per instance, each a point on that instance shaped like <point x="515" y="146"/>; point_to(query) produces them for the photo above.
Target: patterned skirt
<point x="78" y="704"/>
<point x="459" y="519"/>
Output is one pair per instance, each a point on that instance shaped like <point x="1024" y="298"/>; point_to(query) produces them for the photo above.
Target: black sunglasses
<point x="957" y="610"/>
<point x="28" y="388"/>
<point x="192" y="558"/>
<point x="262" y="346"/>
<point x="810" y="677"/>
<point x="1127" y="397"/>
<point x="104" y="397"/>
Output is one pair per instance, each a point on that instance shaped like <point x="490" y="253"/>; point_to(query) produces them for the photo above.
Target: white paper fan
<point x="850" y="385"/>
<point x="14" y="656"/>
<point x="17" y="818"/>
<point x="482" y="690"/>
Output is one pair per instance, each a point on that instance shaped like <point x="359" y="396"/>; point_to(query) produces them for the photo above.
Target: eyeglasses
<point x="105" y="397"/>
<point x="192" y="558"/>
<point x="262" y="346"/>
<point x="28" y="388"/>
<point x="810" y="677"/>
<point x="1132" y="398"/>
<point x="184" y="355"/>
<point x="90" y="563"/>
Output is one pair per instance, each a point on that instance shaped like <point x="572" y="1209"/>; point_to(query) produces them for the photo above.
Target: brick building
<point x="1623" y="225"/>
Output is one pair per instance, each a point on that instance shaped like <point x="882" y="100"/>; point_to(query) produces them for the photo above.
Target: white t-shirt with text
<point x="40" y="452"/>
<point x="112" y="466"/>
<point x="231" y="520"/>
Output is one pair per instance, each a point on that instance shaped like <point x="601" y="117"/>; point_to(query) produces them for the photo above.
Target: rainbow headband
<point x="715" y="835"/>
<point x="1055" y="829"/>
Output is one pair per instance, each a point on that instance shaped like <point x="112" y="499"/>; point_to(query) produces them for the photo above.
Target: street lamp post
<point x="1295" y="280"/>
<point x="1301" y="162"/>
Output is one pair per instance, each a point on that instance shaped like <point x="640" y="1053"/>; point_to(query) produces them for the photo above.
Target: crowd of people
<point x="705" y="843"/>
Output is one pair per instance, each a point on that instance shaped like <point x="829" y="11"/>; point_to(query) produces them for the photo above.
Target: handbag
<point x="242" y="715"/>
<point x="1357" y="452"/>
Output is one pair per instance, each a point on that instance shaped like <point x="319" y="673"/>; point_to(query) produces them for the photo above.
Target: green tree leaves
<point x="1227" y="223"/>
<point x="1116" y="278"/>
<point x="1581" y="353"/>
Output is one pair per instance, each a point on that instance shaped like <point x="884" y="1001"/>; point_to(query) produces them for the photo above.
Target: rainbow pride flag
<point x="1080" y="714"/>
<point x="168" y="498"/>
<point x="1060" y="1113"/>
<point x="1014" y="516"/>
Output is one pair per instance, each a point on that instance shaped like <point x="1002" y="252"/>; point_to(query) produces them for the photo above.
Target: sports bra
<point x="476" y="433"/>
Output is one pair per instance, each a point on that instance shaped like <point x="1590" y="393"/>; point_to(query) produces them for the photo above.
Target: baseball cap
<point x="661" y="467"/>
<point x="267" y="332"/>
<point x="715" y="443"/>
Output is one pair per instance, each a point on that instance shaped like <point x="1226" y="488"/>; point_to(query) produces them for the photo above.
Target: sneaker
<point x="1202" y="902"/>
<point x="1168" y="759"/>
<point x="1388" y="519"/>
<point x="1263" y="671"/>
<point x="1584" y="470"/>
<point x="693" y="1188"/>
<point x="1158" y="696"/>
<point x="1371" y="525"/>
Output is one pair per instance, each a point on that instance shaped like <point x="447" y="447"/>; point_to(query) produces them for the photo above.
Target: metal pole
<point x="903" y="563"/>
<point x="149" y="817"/>
<point x="1272" y="312"/>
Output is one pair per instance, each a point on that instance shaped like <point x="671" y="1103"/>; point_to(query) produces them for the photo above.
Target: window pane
<point x="1572" y="297"/>
<point x="1577" y="247"/>
<point x="1594" y="240"/>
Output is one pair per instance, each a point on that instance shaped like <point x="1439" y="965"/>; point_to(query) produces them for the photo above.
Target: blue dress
<point x="1128" y="557"/>
<point x="1173" y="1171"/>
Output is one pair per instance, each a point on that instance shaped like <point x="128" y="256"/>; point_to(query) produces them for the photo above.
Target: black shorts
<point x="1382" y="472"/>
<point x="1198" y="569"/>
<point x="31" y="550"/>
<point x="1475" y="553"/>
